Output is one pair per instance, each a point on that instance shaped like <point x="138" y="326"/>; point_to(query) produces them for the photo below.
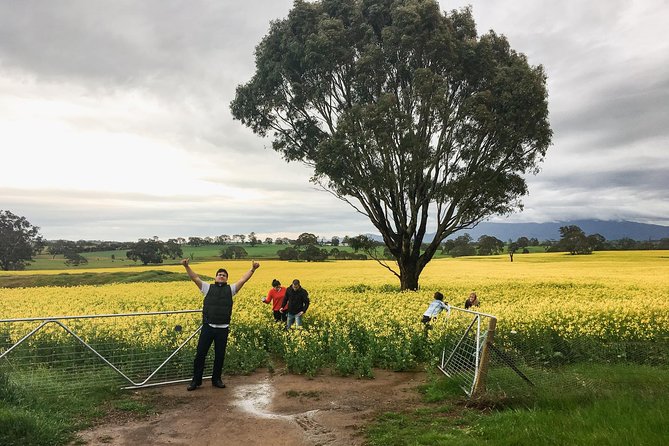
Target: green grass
<point x="98" y="259"/>
<point x="623" y="405"/>
<point x="213" y="252"/>
<point x="74" y="279"/>
<point x="103" y="259"/>
<point x="30" y="418"/>
<point x="118" y="259"/>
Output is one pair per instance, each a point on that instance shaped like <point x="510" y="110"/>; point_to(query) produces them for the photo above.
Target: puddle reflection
<point x="256" y="398"/>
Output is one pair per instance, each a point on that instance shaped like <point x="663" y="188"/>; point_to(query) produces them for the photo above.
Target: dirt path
<point x="264" y="409"/>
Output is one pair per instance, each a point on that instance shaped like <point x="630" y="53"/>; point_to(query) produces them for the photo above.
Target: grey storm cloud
<point x="128" y="42"/>
<point x="648" y="180"/>
<point x="118" y="215"/>
<point x="631" y="110"/>
<point x="607" y="67"/>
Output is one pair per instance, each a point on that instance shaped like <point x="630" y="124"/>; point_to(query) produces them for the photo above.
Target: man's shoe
<point x="192" y="386"/>
<point x="218" y="383"/>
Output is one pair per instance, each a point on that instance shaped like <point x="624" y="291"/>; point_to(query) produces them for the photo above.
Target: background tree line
<point x="572" y="240"/>
<point x="20" y="242"/>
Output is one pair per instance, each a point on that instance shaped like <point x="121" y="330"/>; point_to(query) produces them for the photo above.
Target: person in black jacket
<point x="216" y="314"/>
<point x="295" y="303"/>
<point x="472" y="301"/>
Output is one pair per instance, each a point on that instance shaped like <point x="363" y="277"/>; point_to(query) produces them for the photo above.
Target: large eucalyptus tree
<point x="403" y="112"/>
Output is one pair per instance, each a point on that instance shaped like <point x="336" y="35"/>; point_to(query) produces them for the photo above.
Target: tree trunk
<point x="409" y="274"/>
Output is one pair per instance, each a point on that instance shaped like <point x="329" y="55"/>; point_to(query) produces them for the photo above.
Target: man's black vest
<point x="217" y="307"/>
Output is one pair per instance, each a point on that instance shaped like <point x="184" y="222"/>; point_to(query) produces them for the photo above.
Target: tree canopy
<point x="73" y="258"/>
<point x="574" y="241"/>
<point x="152" y="251"/>
<point x="462" y="246"/>
<point x="19" y="241"/>
<point x="488" y="245"/>
<point x="403" y="112"/>
<point x="306" y="239"/>
<point x="234" y="252"/>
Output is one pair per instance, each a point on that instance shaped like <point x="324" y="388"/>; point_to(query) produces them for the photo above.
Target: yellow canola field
<point x="608" y="295"/>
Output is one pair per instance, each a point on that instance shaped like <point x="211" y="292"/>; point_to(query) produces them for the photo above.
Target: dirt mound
<point x="264" y="409"/>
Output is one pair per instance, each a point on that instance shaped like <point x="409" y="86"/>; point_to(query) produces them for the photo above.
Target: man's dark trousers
<point x="208" y="334"/>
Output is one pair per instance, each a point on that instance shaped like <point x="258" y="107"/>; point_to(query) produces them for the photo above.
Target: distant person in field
<point x="295" y="304"/>
<point x="472" y="301"/>
<point x="275" y="296"/>
<point x="436" y="306"/>
<point x="216" y="313"/>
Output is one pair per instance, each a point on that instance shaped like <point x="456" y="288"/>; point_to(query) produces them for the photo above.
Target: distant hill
<point x="611" y="230"/>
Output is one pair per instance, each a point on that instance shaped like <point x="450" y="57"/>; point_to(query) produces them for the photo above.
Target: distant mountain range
<point x="611" y="230"/>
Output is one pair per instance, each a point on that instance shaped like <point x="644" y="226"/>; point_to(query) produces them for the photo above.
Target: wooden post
<point x="486" y="351"/>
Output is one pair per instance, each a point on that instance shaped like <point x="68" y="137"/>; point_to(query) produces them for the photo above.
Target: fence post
<point x="479" y="383"/>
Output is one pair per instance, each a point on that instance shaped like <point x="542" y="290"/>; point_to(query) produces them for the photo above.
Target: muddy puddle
<point x="265" y="409"/>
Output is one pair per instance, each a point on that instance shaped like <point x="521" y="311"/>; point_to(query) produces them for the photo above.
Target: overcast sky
<point x="115" y="120"/>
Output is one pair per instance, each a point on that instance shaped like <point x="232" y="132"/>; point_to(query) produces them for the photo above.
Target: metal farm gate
<point x="132" y="350"/>
<point x="470" y="351"/>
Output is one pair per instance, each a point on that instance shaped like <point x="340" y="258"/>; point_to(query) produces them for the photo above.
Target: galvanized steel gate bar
<point x="56" y="320"/>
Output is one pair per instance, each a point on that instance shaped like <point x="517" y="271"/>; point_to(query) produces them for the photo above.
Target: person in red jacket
<point x="275" y="295"/>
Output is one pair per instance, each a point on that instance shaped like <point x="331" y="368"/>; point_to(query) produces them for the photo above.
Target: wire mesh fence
<point x="57" y="354"/>
<point x="483" y="354"/>
<point x="53" y="355"/>
<point x="464" y="354"/>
